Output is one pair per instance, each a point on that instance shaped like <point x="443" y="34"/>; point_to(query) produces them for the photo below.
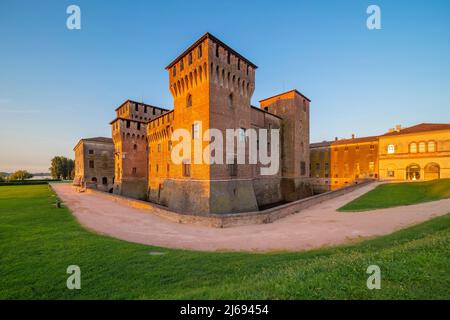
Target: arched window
<point x="189" y="101"/>
<point x="413" y="147"/>
<point x="422" y="147"/>
<point x="94" y="179"/>
<point x="199" y="52"/>
<point x="135" y="147"/>
<point x="431" y="146"/>
<point x="391" y="148"/>
<point x="105" y="180"/>
<point x="174" y="71"/>
<point x="230" y="100"/>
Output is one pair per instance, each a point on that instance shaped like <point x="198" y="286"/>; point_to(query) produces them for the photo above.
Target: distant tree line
<point x="62" y="168"/>
<point x="17" y="175"/>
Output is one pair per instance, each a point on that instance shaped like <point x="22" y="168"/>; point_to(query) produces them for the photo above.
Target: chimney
<point x="398" y="128"/>
<point x="353" y="136"/>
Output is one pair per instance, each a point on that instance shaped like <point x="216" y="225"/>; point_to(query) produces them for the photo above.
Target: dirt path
<point x="314" y="227"/>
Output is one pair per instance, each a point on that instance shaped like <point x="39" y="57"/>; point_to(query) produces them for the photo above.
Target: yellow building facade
<point x="420" y="152"/>
<point x="416" y="153"/>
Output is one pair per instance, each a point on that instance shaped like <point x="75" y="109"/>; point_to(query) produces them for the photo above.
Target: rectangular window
<point x="232" y="168"/>
<point x="391" y="149"/>
<point x="190" y="58"/>
<point x="422" y="147"/>
<point x="139" y="126"/>
<point x="371" y="166"/>
<point x="302" y="168"/>
<point x="136" y="107"/>
<point x="134" y="171"/>
<point x="241" y="134"/>
<point x="128" y="123"/>
<point x="391" y="173"/>
<point x="186" y="169"/>
<point x="200" y="51"/>
<point x="91" y="164"/>
<point x="91" y="151"/>
<point x="195" y="131"/>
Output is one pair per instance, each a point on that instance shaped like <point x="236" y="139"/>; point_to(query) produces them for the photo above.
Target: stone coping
<point x="230" y="219"/>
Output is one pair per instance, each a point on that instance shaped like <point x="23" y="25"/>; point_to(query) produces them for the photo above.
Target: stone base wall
<point x="136" y="189"/>
<point x="232" y="219"/>
<point x="294" y="189"/>
<point x="203" y="197"/>
<point x="267" y="191"/>
<point x="232" y="196"/>
<point x="187" y="196"/>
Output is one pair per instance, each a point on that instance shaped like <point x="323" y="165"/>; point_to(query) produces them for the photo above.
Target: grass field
<point x="39" y="241"/>
<point x="400" y="194"/>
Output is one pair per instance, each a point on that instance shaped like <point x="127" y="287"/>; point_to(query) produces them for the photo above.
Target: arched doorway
<point x="432" y="171"/>
<point x="413" y="172"/>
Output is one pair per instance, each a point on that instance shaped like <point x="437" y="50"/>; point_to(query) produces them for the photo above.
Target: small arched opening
<point x="432" y="171"/>
<point x="413" y="172"/>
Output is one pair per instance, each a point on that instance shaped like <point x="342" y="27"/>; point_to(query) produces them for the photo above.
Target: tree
<point x="3" y="177"/>
<point x="20" y="175"/>
<point x="62" y="168"/>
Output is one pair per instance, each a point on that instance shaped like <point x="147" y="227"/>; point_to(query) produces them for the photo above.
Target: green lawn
<point x="400" y="194"/>
<point x="39" y="241"/>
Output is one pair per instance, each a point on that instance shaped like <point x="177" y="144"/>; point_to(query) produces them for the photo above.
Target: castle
<point x="211" y="85"/>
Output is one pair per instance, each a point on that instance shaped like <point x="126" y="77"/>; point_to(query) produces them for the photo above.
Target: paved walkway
<point x="317" y="226"/>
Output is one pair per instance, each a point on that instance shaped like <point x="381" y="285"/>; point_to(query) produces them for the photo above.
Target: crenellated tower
<point x="212" y="86"/>
<point x="129" y="133"/>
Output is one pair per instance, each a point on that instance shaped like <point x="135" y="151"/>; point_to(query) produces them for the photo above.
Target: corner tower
<point x="129" y="133"/>
<point x="293" y="107"/>
<point x="212" y="86"/>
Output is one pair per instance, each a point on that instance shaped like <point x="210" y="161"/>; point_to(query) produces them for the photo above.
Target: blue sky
<point x="58" y="85"/>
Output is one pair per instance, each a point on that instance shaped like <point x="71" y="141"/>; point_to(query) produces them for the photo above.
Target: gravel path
<point x="315" y="227"/>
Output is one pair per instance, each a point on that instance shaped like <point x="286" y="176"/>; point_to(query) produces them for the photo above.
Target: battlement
<point x="123" y="128"/>
<point x="210" y="60"/>
<point x="138" y="111"/>
<point x="161" y="127"/>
